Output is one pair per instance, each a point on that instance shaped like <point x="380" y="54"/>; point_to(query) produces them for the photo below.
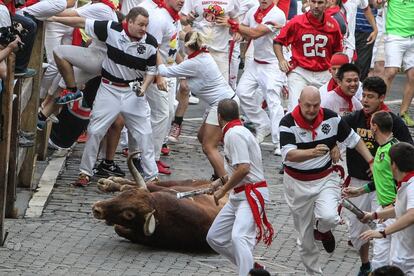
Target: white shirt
<point x="217" y="36"/>
<point x="404" y="239"/>
<point x="323" y="90"/>
<point x="246" y="6"/>
<point x="164" y="29"/>
<point x="338" y="104"/>
<point x="97" y="11"/>
<point x="351" y="7"/>
<point x="127" y="5"/>
<point x="263" y="46"/>
<point x="209" y="85"/>
<point x="241" y="147"/>
<point x="5" y="20"/>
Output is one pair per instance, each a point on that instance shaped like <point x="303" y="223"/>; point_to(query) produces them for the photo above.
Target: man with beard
<point x="314" y="37"/>
<point x="373" y="95"/>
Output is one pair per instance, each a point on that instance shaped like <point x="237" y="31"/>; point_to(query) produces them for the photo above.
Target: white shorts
<point x="399" y="50"/>
<point x="210" y="116"/>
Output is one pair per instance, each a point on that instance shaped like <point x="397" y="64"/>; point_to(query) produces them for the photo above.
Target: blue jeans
<point x="23" y="56"/>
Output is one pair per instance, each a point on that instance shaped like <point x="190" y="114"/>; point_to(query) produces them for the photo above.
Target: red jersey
<point x="313" y="42"/>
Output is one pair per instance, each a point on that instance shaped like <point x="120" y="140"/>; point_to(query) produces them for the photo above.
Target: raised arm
<point x="76" y="22"/>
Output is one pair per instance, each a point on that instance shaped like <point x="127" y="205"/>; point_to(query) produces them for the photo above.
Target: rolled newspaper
<point x="358" y="212"/>
<point x="194" y="193"/>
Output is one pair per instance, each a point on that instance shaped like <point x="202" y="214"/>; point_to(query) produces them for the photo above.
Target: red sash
<point x="261" y="221"/>
<point x="314" y="176"/>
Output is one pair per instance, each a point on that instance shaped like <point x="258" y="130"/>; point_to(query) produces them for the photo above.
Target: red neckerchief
<point x="11" y="7"/>
<point x="260" y="14"/>
<point x="30" y="3"/>
<point x="109" y="4"/>
<point x="332" y="10"/>
<point x="382" y="107"/>
<point x="231" y="124"/>
<point x="348" y="99"/>
<point x="302" y="123"/>
<point x="196" y="53"/>
<point x="332" y="84"/>
<point x="173" y="13"/>
<point x="406" y="178"/>
<point x="1" y="2"/>
<point x="76" y="37"/>
<point x="315" y="21"/>
<point x="125" y="27"/>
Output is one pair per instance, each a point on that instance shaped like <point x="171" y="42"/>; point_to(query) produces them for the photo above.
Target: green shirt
<point x="400" y="18"/>
<point x="384" y="181"/>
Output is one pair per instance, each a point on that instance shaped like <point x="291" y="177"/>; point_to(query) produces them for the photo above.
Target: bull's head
<point x="133" y="209"/>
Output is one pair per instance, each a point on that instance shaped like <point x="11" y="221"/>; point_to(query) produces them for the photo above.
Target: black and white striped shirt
<point x="332" y="130"/>
<point x="126" y="60"/>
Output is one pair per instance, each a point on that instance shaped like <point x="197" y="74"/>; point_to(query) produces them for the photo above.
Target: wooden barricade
<point x="5" y="132"/>
<point x="20" y="104"/>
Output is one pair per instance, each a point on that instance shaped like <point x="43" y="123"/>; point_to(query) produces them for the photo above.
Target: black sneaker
<point x="105" y="170"/>
<point x="365" y="270"/>
<point x="328" y="240"/>
<point x="138" y="166"/>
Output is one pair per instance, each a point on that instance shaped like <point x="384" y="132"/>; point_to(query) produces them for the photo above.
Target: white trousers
<point x="299" y="78"/>
<point x="270" y="80"/>
<point x="381" y="252"/>
<point x="222" y="61"/>
<point x="365" y="202"/>
<point x="45" y="8"/>
<point x="162" y="108"/>
<point x="309" y="201"/>
<point x="111" y="101"/>
<point x="56" y="34"/>
<point x="77" y="56"/>
<point x="233" y="234"/>
<point x="234" y="65"/>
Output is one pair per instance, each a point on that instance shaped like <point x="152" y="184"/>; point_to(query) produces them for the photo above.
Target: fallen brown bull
<point x="151" y="214"/>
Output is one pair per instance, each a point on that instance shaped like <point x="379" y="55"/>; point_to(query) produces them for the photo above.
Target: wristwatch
<point x="382" y="232"/>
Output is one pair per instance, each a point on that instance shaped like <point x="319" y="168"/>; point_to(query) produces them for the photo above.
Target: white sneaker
<point x="261" y="134"/>
<point x="277" y="151"/>
<point x="193" y="100"/>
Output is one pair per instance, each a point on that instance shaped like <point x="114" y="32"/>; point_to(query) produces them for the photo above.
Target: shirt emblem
<point x="141" y="49"/>
<point x="326" y="128"/>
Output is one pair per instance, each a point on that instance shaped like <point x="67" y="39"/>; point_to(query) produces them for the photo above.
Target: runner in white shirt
<point x="342" y="99"/>
<point x="164" y="25"/>
<point x="70" y="59"/>
<point x="204" y="80"/>
<point x="46" y="8"/>
<point x="351" y="7"/>
<point x="264" y="72"/>
<point x="233" y="233"/>
<point x="337" y="60"/>
<point x="206" y="13"/>
<point x="127" y="5"/>
<point x="402" y="230"/>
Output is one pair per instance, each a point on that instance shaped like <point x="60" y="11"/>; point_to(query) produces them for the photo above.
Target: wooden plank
<point x="44" y="137"/>
<point x="28" y="117"/>
<point x="6" y="115"/>
<point x="14" y="151"/>
<point x="26" y="93"/>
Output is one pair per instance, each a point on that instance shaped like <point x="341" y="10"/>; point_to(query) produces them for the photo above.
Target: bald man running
<point x="312" y="182"/>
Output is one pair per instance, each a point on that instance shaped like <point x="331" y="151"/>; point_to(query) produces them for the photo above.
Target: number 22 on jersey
<point x="314" y="45"/>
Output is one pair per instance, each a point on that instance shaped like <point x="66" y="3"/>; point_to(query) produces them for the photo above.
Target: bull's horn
<point x="149" y="224"/>
<point x="135" y="174"/>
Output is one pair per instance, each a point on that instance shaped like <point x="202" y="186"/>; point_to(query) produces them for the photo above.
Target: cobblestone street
<point x="67" y="240"/>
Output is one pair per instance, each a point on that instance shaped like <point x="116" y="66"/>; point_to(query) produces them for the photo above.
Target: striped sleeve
<point x="287" y="137"/>
<point x="97" y="29"/>
<point x="347" y="135"/>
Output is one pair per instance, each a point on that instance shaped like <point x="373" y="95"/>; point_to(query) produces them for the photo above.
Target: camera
<point x="9" y="34"/>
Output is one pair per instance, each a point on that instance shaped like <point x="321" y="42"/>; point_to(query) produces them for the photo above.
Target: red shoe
<point x="125" y="152"/>
<point x="162" y="170"/>
<point x="83" y="137"/>
<point x="165" y="150"/>
<point x="258" y="266"/>
<point x="163" y="164"/>
<point x="82" y="181"/>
